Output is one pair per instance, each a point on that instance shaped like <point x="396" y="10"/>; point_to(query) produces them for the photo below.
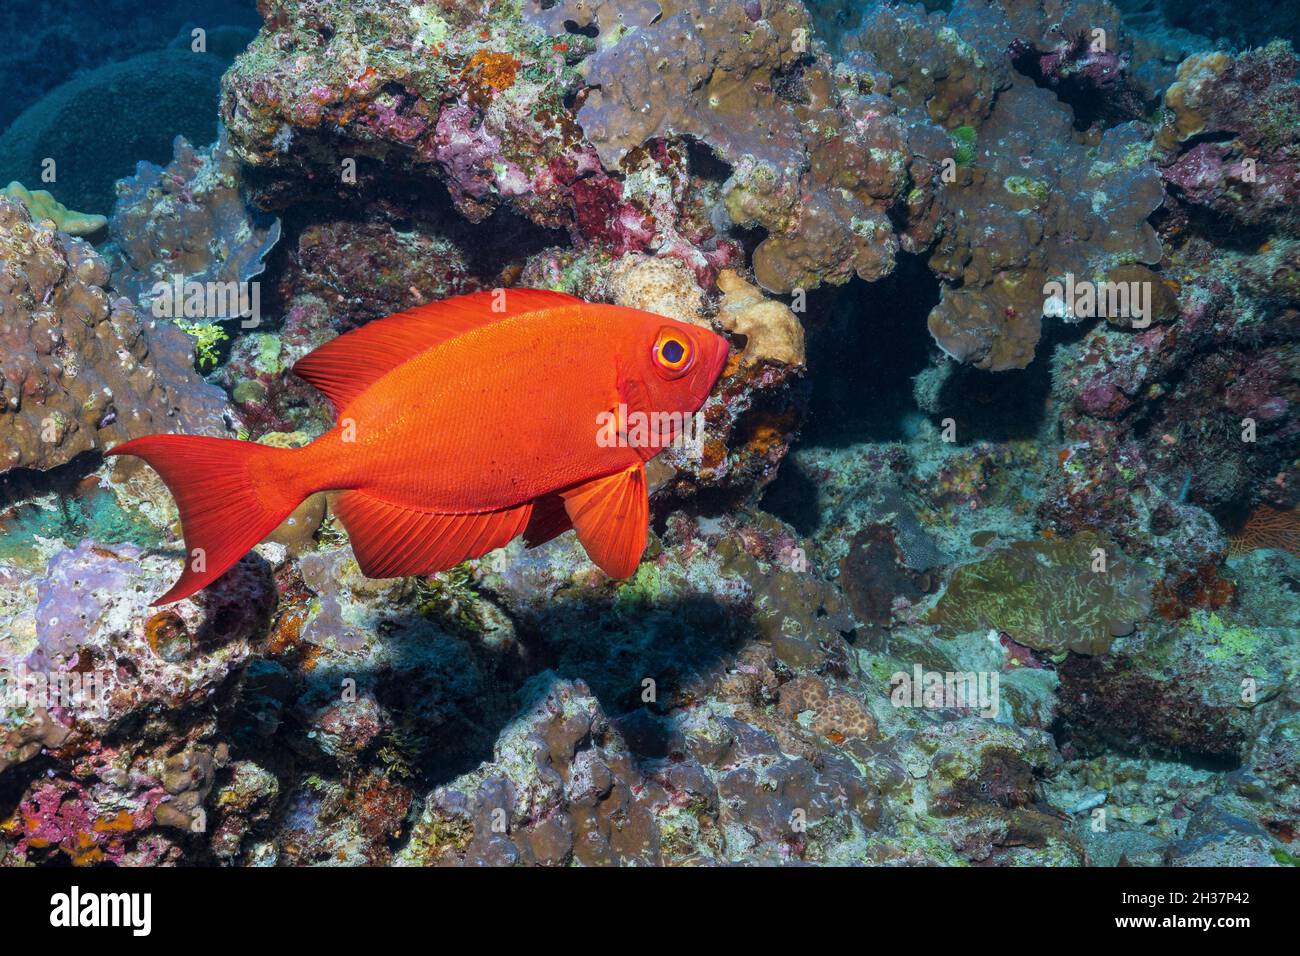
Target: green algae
<point x="270" y="354"/>
<point x="963" y="138"/>
<point x="449" y="599"/>
<point x="1035" y="190"/>
<point x="207" y="346"/>
<point x="644" y="589"/>
<point x="1230" y="642"/>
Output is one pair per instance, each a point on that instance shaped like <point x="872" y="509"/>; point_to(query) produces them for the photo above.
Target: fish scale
<point x="461" y="426"/>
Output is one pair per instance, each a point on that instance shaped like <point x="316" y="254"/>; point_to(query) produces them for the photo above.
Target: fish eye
<point x="672" y="352"/>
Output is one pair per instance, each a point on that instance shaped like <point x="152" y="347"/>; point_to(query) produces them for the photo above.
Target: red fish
<point x="461" y="425"/>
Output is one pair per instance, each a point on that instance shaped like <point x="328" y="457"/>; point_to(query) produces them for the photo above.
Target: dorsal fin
<point x="346" y="366"/>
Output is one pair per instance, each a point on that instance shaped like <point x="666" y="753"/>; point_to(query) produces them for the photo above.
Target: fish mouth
<point x="712" y="371"/>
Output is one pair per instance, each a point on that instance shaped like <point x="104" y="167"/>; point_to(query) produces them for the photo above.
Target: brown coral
<point x="77" y="370"/>
<point x="772" y="332"/>
<point x="1188" y="98"/>
<point x="836" y="716"/>
<point x="1076" y="594"/>
<point x="821" y="172"/>
<point x="924" y="64"/>
<point x="1025" y="198"/>
<point x="659" y="285"/>
<point x="1040" y="207"/>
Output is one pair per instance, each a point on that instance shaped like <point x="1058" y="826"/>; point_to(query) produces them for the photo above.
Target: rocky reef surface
<point x="989" y="553"/>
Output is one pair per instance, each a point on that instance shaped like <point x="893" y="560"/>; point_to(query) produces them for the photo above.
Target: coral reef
<point x="772" y="332"/>
<point x="86" y="617"/>
<point x="95" y="128"/>
<point x="366" y="270"/>
<point x="1074" y="594"/>
<point x="1031" y="200"/>
<point x="498" y="130"/>
<point x="1230" y="135"/>
<point x="960" y="563"/>
<point x="186" y="222"/>
<point x="44" y="52"/>
<point x="81" y="370"/>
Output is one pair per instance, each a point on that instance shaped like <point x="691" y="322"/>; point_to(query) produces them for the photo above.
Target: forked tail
<point x="231" y="495"/>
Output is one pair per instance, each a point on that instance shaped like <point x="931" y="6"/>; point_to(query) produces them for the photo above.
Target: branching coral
<point x="1267" y="527"/>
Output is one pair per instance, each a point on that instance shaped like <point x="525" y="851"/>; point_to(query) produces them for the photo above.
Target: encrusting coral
<point x="1076" y="594"/>
<point x="1231" y="135"/>
<point x="186" y="222"/>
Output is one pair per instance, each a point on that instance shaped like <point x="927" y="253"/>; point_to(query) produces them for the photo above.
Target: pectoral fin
<point x="549" y="520"/>
<point x="611" y="516"/>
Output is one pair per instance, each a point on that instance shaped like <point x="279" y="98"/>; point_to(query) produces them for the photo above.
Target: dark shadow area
<point x="22" y="484"/>
<point x="682" y="644"/>
<point x="450" y="694"/>
<point x="1106" y="705"/>
<point x="997" y="406"/>
<point x="77" y="508"/>
<point x="863" y="359"/>
<point x="792" y="497"/>
<point x="1005" y="406"/>
<point x="340" y="235"/>
<point x="1223" y="231"/>
<point x="1091" y="743"/>
<point x="1243" y="23"/>
<point x="1097" y="94"/>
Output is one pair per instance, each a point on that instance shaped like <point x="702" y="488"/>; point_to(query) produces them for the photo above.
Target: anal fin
<point x="390" y="540"/>
<point x="611" y="516"/>
<point x="548" y="521"/>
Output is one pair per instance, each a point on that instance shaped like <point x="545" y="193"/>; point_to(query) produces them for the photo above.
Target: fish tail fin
<point x="231" y="495"/>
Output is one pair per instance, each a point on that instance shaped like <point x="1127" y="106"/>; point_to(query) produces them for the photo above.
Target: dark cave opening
<point x="862" y="392"/>
<point x="1095" y="101"/>
<point x="863" y="359"/>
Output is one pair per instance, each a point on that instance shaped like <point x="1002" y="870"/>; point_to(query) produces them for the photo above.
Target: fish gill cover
<point x="983" y="549"/>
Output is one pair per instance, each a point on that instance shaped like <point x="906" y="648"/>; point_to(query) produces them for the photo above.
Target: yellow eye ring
<point x="673" y="352"/>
